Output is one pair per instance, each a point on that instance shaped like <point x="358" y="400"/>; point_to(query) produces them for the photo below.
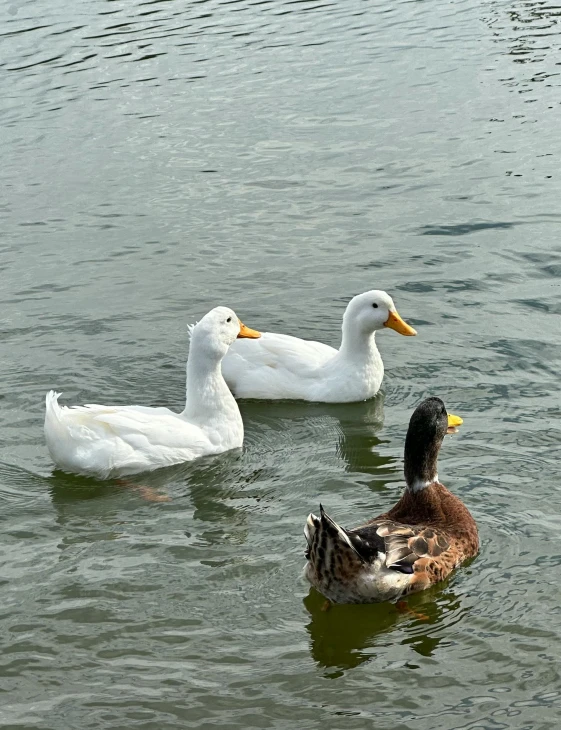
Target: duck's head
<point x="429" y="424"/>
<point x="216" y="331"/>
<point x="373" y="311"/>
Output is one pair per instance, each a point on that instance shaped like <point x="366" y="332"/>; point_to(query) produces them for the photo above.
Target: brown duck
<point x="427" y="534"/>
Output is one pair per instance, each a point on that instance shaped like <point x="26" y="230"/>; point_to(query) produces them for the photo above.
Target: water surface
<point x="159" y="158"/>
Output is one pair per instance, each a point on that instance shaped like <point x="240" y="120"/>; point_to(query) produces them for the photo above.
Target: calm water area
<point x="159" y="158"/>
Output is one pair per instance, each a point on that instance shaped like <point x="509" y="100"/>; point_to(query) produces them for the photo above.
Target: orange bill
<point x="453" y="423"/>
<point x="394" y="322"/>
<point x="247" y="332"/>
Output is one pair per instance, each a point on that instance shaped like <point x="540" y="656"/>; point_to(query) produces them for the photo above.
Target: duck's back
<point x="108" y="441"/>
<point x="276" y="366"/>
<point x="440" y="509"/>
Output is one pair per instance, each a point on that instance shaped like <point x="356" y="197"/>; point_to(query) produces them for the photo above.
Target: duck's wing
<point x="274" y="365"/>
<point x="273" y="351"/>
<point x="403" y="545"/>
<point x="148" y="410"/>
<point x="399" y="559"/>
<point x="140" y="425"/>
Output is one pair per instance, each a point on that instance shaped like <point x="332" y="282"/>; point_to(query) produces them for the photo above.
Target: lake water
<point x="160" y="158"/>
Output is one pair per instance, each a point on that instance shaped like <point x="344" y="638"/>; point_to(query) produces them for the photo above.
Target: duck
<point x="279" y="366"/>
<point x="114" y="441"/>
<point x="417" y="543"/>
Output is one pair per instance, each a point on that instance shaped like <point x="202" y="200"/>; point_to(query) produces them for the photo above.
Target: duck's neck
<point x="359" y="348"/>
<point x="208" y="396"/>
<point x="418" y="485"/>
<point x="420" y="461"/>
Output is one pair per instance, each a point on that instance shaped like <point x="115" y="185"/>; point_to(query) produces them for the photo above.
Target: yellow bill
<point x="247" y="332"/>
<point x="453" y="423"/>
<point x="394" y="322"/>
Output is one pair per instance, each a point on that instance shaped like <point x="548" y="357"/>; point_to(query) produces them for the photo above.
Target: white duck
<point x="111" y="441"/>
<point x="280" y="366"/>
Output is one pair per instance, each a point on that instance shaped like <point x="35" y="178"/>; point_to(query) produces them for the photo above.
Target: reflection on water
<point x="352" y="427"/>
<point x="341" y="636"/>
<point x="160" y="158"/>
<point x="345" y="636"/>
<point x="531" y="31"/>
<point x="359" y="445"/>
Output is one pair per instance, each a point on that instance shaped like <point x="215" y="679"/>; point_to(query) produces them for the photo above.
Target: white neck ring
<point x="418" y="485"/>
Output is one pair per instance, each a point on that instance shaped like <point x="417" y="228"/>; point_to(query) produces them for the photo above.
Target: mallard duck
<point x="281" y="366"/>
<point x="427" y="534"/>
<point x="111" y="441"/>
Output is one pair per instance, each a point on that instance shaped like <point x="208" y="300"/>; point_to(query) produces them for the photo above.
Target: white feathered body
<point x="278" y="366"/>
<point x="113" y="441"/>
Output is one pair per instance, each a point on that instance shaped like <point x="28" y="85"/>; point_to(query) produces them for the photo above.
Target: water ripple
<point x="279" y="157"/>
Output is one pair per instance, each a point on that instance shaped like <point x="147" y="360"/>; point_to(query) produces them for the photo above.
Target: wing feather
<point x="152" y="427"/>
<point x="282" y="351"/>
<point x="403" y="544"/>
<point x="274" y="366"/>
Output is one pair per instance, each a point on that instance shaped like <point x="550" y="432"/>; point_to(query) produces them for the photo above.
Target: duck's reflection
<point x="359" y="424"/>
<point x="348" y="429"/>
<point x="68" y="489"/>
<point x="345" y="636"/>
<point x="210" y="482"/>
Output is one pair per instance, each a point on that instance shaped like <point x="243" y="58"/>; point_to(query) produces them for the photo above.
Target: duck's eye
<point x="375" y="305"/>
<point x="229" y="319"/>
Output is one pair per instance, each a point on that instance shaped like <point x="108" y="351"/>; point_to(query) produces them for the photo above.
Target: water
<point x="159" y="158"/>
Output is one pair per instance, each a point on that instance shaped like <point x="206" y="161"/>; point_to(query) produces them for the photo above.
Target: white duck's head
<point x="373" y="311"/>
<point x="216" y="331"/>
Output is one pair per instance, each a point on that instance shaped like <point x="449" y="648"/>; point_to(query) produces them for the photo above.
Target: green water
<point x="160" y="158"/>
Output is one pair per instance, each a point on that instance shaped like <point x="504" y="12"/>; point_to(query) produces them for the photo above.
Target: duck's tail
<point x="55" y="431"/>
<point x="53" y="410"/>
<point x="323" y="530"/>
<point x="56" y="425"/>
<point x="331" y="555"/>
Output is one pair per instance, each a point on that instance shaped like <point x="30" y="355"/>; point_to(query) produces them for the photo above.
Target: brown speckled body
<point x="450" y="538"/>
<point x="417" y="543"/>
